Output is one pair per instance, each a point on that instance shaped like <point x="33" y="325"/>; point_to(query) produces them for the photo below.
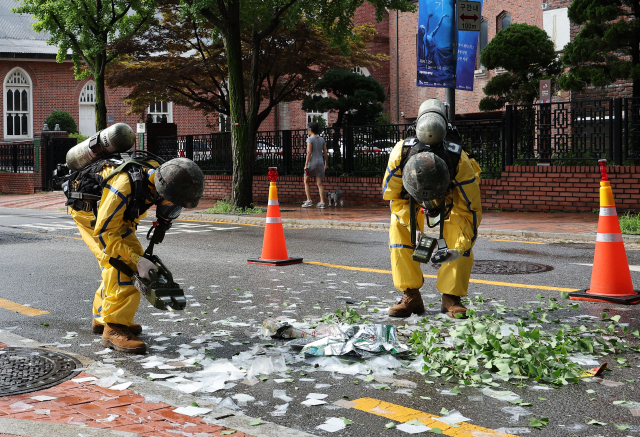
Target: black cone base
<point x="273" y="262"/>
<point x="625" y="300"/>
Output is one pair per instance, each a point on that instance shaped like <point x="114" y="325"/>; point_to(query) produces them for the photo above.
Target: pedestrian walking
<point x="316" y="164"/>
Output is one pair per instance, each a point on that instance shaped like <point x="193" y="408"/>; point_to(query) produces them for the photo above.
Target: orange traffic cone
<point x="610" y="277"/>
<point x="274" y="248"/>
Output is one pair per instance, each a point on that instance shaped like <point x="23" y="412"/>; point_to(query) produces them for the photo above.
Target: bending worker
<point x="432" y="171"/>
<point x="129" y="190"/>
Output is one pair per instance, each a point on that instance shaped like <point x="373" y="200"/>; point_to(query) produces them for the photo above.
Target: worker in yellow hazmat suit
<point x="460" y="191"/>
<point x="110" y="234"/>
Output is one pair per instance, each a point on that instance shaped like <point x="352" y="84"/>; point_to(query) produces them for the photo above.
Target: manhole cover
<point x="498" y="267"/>
<point x="27" y="370"/>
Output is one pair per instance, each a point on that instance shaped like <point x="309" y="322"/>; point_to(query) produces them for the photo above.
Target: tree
<point x="87" y="27"/>
<point x="607" y="48"/>
<point x="177" y="60"/>
<point x="356" y="98"/>
<point x="260" y="20"/>
<point x="528" y="55"/>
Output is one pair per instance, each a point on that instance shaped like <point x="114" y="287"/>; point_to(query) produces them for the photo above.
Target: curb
<point x="218" y="416"/>
<point x="587" y="237"/>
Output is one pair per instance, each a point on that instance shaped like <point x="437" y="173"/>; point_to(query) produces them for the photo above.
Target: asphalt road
<point x="46" y="266"/>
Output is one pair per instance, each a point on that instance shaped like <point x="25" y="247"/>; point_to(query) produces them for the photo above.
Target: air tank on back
<point x="431" y="125"/>
<point x="114" y="139"/>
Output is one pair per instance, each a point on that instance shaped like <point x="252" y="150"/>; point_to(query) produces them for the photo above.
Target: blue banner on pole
<point x="436" y="58"/>
<point x="467" y="49"/>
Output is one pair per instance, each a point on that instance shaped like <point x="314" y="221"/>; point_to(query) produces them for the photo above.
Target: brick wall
<point x="528" y="188"/>
<point x="18" y="183"/>
<point x="539" y="188"/>
<point x="356" y="191"/>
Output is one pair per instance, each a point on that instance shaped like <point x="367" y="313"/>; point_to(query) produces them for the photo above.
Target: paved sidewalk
<point x="527" y="224"/>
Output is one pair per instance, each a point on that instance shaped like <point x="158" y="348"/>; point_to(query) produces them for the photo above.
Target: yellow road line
<point x="57" y="236"/>
<point x="518" y="241"/>
<point x="225" y="223"/>
<point x="27" y="311"/>
<point x="404" y="414"/>
<point x="477" y="281"/>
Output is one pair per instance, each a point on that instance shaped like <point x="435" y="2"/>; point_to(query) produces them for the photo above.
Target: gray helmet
<point x="180" y="181"/>
<point x="426" y="178"/>
<point x="431" y="124"/>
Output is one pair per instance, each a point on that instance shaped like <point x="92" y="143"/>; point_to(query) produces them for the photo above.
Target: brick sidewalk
<point x="571" y="223"/>
<point x="84" y="404"/>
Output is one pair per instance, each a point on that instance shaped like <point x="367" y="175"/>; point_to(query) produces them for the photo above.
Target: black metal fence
<point x="559" y="133"/>
<point x="353" y="150"/>
<point x="17" y="158"/>
<point x="573" y="133"/>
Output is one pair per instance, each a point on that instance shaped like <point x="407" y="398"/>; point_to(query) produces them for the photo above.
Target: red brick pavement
<point x="97" y="407"/>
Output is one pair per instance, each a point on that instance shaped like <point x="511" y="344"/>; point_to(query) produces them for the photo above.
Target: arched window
<point x="18" y="105"/>
<point x="159" y="109"/>
<point x="87" y="110"/>
<point x="362" y="71"/>
<point x="503" y="21"/>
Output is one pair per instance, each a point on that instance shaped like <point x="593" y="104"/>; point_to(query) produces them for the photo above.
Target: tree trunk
<point x="242" y="133"/>
<point x="101" y="105"/>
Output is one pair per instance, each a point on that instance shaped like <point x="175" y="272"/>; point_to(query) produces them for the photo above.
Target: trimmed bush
<point x="64" y="119"/>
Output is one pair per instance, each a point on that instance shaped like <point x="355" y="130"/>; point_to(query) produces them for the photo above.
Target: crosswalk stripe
<point x="404" y="414"/>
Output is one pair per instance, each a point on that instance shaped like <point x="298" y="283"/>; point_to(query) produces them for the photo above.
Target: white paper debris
<point x="317" y="396"/>
<point x="282" y="394"/>
<point x="332" y="424"/>
<point x="86" y="379"/>
<point x="500" y="395"/>
<point x="192" y="411"/>
<point x="452" y="418"/>
<point x="121" y="387"/>
<point x="412" y="429"/>
<point x="280" y="410"/>
<point x="20" y="406"/>
<point x="312" y="402"/>
<point x="43" y="398"/>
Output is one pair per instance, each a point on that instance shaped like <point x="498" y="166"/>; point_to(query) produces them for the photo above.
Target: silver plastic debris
<point x="361" y="340"/>
<point x="276" y="328"/>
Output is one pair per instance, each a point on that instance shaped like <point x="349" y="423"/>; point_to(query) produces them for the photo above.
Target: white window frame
<point x="222" y="123"/>
<point x="93" y="102"/>
<point x="169" y="112"/>
<point x="29" y="88"/>
<point x="363" y="71"/>
<point x="312" y="114"/>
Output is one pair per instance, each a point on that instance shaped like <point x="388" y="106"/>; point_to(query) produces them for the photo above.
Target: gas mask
<point x="167" y="210"/>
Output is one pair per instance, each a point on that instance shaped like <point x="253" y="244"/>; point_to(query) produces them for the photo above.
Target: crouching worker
<point x="436" y="175"/>
<point x="108" y="197"/>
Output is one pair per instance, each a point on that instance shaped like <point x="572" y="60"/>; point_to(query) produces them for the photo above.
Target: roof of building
<point x="17" y="37"/>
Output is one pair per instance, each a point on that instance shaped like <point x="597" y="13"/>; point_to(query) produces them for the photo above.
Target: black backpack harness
<point x="84" y="188"/>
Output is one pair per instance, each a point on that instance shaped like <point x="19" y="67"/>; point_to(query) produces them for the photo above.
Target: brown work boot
<point x="119" y="337"/>
<point x="410" y="303"/>
<point x="452" y="305"/>
<point x="97" y="328"/>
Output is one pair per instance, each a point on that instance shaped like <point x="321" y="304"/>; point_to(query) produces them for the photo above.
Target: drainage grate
<point x="497" y="267"/>
<point x="25" y="370"/>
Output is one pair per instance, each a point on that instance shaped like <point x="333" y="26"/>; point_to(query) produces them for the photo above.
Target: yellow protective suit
<point x="460" y="229"/>
<point x="116" y="300"/>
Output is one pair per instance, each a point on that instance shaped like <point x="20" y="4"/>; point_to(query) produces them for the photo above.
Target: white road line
<point x="632" y="268"/>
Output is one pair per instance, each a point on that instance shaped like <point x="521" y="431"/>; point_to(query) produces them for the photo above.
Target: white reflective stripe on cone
<point x="609" y="238"/>
<point x="273" y="202"/>
<point x="608" y="211"/>
<point x="274" y="220"/>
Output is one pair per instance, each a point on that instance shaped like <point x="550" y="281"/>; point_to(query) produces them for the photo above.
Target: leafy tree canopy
<point x="528" y="55"/>
<point x="607" y="48"/>
<point x="356" y="98"/>
<point x="178" y="60"/>
<point x="86" y="28"/>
